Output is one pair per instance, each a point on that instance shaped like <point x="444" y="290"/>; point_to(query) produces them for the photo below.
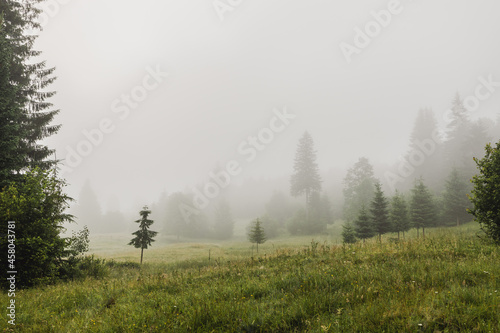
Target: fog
<point x="154" y="97"/>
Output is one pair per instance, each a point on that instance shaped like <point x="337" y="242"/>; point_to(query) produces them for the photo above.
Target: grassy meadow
<point x="448" y="282"/>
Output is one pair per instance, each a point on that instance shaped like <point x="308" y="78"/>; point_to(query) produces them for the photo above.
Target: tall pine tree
<point x="305" y="178"/>
<point x="31" y="80"/>
<point x="10" y="115"/>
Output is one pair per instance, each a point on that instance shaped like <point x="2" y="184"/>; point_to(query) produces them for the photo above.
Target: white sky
<point x="226" y="77"/>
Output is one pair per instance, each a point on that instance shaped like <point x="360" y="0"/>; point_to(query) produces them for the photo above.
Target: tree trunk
<point x="142" y="252"/>
<point x="398" y="235"/>
<point x="423" y="233"/>
<point x="257" y="247"/>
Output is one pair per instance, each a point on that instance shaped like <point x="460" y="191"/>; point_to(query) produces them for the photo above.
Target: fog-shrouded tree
<point x="279" y="208"/>
<point x="457" y="132"/>
<point x="363" y="225"/>
<point x="455" y="200"/>
<point x="257" y="234"/>
<point x="358" y="188"/>
<point x="223" y="221"/>
<point x="426" y="150"/>
<point x="422" y="208"/>
<point x="399" y="214"/>
<point x="379" y="209"/>
<point x="88" y="211"/>
<point x="348" y="233"/>
<point x="305" y="178"/>
<point x="485" y="196"/>
<point x="143" y="237"/>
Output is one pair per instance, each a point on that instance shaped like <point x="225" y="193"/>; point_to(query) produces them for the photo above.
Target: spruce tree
<point x="348" y="233"/>
<point x="485" y="196"/>
<point x="455" y="200"/>
<point x="422" y="209"/>
<point x="257" y="234"/>
<point x="143" y="237"/>
<point x="358" y="188"/>
<point x="305" y="178"/>
<point x="363" y="225"/>
<point x="31" y="80"/>
<point x="380" y="212"/>
<point x="399" y="214"/>
<point x="10" y="115"/>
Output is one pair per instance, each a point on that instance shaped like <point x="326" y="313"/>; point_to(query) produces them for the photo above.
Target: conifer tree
<point x="399" y="214"/>
<point x="380" y="212"/>
<point x="485" y="196"/>
<point x="422" y="209"/>
<point x="31" y="80"/>
<point x="305" y="178"/>
<point x="143" y="236"/>
<point x="358" y="188"/>
<point x="363" y="225"/>
<point x="455" y="200"/>
<point x="348" y="233"/>
<point x="257" y="234"/>
<point x="10" y="115"/>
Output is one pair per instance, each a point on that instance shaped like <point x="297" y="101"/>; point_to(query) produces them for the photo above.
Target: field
<point x="448" y="282"/>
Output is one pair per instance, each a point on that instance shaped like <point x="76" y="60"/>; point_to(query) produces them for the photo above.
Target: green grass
<point x="448" y="282"/>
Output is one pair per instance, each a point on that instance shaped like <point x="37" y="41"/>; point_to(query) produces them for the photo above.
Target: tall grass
<point x="448" y="282"/>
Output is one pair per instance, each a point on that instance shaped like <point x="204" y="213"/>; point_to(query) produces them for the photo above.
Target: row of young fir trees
<point x="395" y="215"/>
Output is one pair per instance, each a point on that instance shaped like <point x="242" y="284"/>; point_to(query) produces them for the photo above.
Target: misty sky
<point x="227" y="78"/>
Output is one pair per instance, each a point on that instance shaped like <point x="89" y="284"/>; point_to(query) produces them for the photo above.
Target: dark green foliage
<point x="305" y="178"/>
<point x="223" y="222"/>
<point x="486" y="193"/>
<point x="358" y="188"/>
<point x="37" y="205"/>
<point x="399" y="214"/>
<point x="143" y="236"/>
<point x="10" y="116"/>
<point x="455" y="200"/>
<point x="363" y="225"/>
<point x="380" y="212"/>
<point x="257" y="234"/>
<point x="31" y="80"/>
<point x="348" y="233"/>
<point x="422" y="208"/>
